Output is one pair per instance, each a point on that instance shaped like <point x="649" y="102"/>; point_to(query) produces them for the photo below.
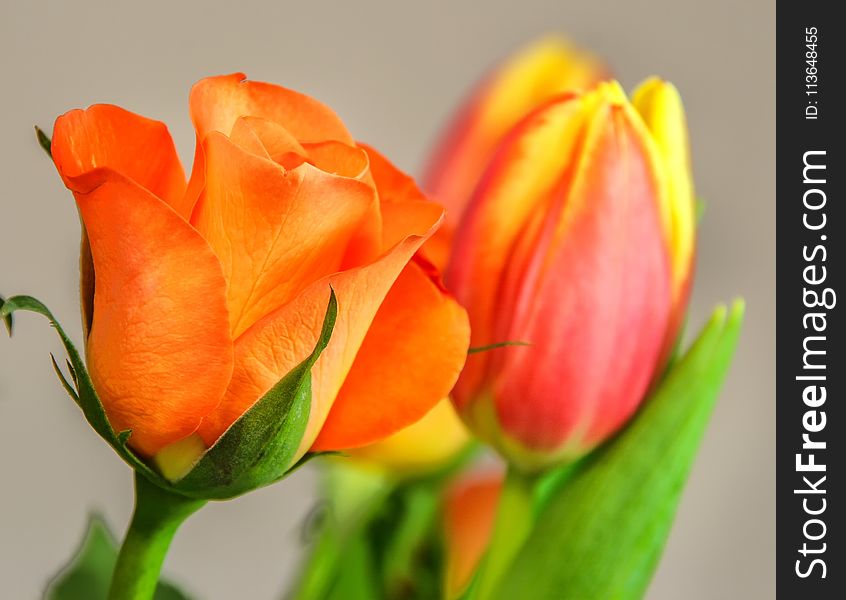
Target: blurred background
<point x="393" y="71"/>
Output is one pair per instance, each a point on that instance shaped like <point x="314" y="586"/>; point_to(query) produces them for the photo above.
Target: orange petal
<point x="266" y="138"/>
<point x="281" y="340"/>
<point x="398" y="194"/>
<point x="393" y="184"/>
<point x="159" y="352"/>
<point x="108" y="136"/>
<point x="275" y="231"/>
<point x="271" y="140"/>
<point x="408" y="361"/>
<point x="216" y="103"/>
<point x="339" y="159"/>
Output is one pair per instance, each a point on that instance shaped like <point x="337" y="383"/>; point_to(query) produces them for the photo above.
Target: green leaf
<point x="44" y="141"/>
<point x="84" y="395"/>
<point x="259" y="447"/>
<point x="88" y="574"/>
<point x="601" y="535"/>
<point x="490" y="347"/>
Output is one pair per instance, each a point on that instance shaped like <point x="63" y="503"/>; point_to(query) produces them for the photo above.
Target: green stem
<point x="158" y="514"/>
<point x="514" y="521"/>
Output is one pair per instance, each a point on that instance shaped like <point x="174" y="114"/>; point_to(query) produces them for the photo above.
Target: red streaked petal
<point x="593" y="301"/>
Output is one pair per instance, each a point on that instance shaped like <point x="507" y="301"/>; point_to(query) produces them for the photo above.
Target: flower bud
<point x="205" y="300"/>
<point x="578" y="241"/>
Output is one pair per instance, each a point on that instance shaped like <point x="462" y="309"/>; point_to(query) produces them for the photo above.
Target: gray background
<point x="393" y="70"/>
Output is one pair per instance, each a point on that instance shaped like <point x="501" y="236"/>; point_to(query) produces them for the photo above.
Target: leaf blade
<point x="611" y="549"/>
<point x="88" y="574"/>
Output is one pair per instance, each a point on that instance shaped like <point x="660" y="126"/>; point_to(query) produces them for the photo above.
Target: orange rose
<point x="208" y="292"/>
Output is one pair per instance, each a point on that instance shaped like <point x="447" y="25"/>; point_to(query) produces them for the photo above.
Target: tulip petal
<point x="545" y="69"/>
<point x="660" y="106"/>
<point x="275" y="230"/>
<point x="281" y="340"/>
<point x="159" y="352"/>
<point x="517" y="185"/>
<point x="108" y="136"/>
<point x="594" y="300"/>
<point x="409" y="360"/>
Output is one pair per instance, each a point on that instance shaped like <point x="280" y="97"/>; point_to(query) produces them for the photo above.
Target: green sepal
<point x="7" y="319"/>
<point x="601" y="534"/>
<point x="85" y="396"/>
<point x="310" y="456"/>
<point x="259" y="447"/>
<point x="44" y="141"/>
<point x="255" y="451"/>
<point x="89" y="572"/>
<point x="489" y="347"/>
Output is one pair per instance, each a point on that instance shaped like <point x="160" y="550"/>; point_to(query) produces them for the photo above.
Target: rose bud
<point x="579" y="242"/>
<point x="469" y="515"/>
<point x="198" y="297"/>
<point x="543" y="70"/>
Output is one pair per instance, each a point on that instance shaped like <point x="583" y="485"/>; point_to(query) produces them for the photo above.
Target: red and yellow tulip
<point x="579" y="240"/>
<point x="199" y="295"/>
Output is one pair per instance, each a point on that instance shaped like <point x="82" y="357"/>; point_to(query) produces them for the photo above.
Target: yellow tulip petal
<point x="660" y="106"/>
